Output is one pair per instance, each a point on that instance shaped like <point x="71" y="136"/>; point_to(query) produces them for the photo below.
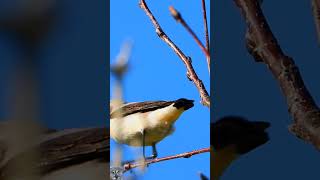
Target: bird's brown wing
<point x="141" y="107"/>
<point x="61" y="151"/>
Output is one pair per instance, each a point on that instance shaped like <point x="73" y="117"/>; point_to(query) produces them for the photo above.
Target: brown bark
<point x="263" y="46"/>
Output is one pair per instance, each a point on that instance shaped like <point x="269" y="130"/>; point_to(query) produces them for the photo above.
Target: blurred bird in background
<point x="232" y="137"/>
<point x="28" y="150"/>
<point x="26" y="22"/>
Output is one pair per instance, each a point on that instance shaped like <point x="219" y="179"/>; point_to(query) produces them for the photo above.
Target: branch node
<point x="159" y="32"/>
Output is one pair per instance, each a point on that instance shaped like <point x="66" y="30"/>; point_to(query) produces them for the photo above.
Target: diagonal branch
<point x="263" y="46"/>
<point x="205" y="22"/>
<point x="191" y="74"/>
<point x="316" y="15"/>
<point x="178" y="17"/>
<point x="129" y="166"/>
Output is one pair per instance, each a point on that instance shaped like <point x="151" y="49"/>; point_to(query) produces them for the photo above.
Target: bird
<point x="146" y="123"/>
<point x="77" y="153"/>
<point x="231" y="137"/>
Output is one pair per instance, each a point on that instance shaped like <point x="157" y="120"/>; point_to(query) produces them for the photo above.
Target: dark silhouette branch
<point x="316" y="15"/>
<point x="203" y="177"/>
<point x="129" y="166"/>
<point x="263" y="46"/>
<point x="191" y="74"/>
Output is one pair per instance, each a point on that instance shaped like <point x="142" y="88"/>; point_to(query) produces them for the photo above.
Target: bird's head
<point x="243" y="134"/>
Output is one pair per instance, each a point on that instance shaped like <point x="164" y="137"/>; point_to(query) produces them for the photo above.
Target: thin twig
<point x="129" y="166"/>
<point x="316" y="15"/>
<point x="191" y="74"/>
<point x="205" y="22"/>
<point x="264" y="47"/>
<point x="177" y="16"/>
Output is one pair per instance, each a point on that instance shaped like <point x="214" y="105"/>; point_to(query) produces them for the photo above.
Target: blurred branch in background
<point x="191" y="74"/>
<point x="316" y="16"/>
<point x="29" y="22"/>
<point x="119" y="69"/>
<point x="263" y="46"/>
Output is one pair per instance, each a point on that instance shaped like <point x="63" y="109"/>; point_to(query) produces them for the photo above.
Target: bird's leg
<point x="154" y="151"/>
<point x="143" y="143"/>
<point x="143" y="133"/>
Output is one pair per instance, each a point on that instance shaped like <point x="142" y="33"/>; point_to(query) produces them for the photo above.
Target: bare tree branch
<point x="178" y="17"/>
<point x="191" y="74"/>
<point x="205" y="22"/>
<point x="316" y="15"/>
<point x="129" y="166"/>
<point x="263" y="46"/>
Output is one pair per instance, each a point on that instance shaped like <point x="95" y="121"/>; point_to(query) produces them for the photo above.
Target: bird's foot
<point x="153" y="156"/>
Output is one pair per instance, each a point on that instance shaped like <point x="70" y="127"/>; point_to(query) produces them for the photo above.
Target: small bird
<point x="232" y="137"/>
<point x="77" y="153"/>
<point x="146" y="123"/>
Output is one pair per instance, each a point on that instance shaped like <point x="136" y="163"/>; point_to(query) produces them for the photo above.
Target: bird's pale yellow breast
<point x="165" y="116"/>
<point x="221" y="159"/>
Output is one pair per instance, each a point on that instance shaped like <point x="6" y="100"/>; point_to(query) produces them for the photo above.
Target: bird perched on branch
<point x="146" y="123"/>
<point x="232" y="137"/>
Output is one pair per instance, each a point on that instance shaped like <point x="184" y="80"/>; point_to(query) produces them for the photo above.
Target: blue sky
<point x="246" y="88"/>
<point x="156" y="73"/>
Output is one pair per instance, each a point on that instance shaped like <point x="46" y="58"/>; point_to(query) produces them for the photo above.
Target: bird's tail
<point x="183" y="103"/>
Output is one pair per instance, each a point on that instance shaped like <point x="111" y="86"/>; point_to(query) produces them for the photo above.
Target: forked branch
<point x="191" y="74"/>
<point x="178" y="17"/>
